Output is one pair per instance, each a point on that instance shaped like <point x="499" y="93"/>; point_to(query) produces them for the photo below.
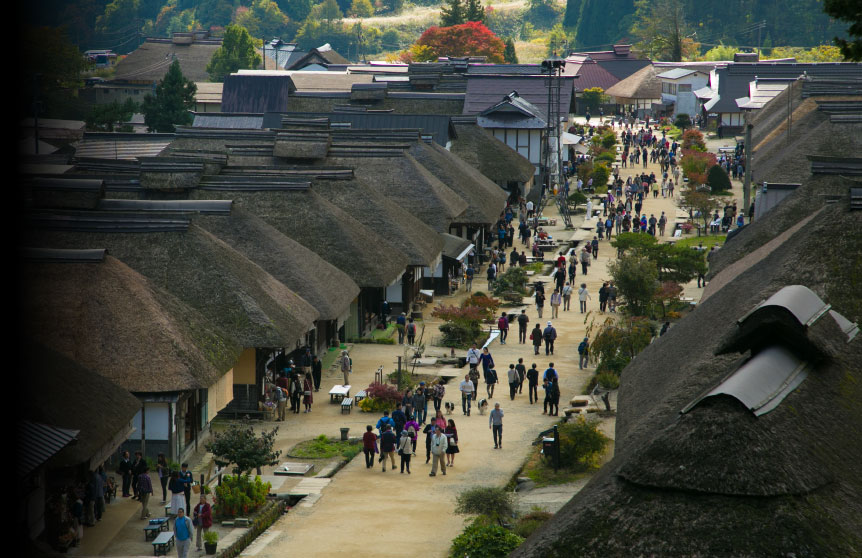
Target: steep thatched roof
<point x="485" y="200"/>
<point x="111" y="320"/>
<point x="309" y="219"/>
<point x="372" y="208"/>
<point x="413" y="187"/>
<point x="492" y="157"/>
<point x="720" y="480"/>
<point x="643" y="84"/>
<point x="70" y="396"/>
<point x="246" y="303"/>
<point x="321" y="284"/>
<point x="400" y="103"/>
<point x="150" y="61"/>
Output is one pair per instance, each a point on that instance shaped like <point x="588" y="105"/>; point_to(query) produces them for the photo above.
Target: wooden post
<point x="746" y="185"/>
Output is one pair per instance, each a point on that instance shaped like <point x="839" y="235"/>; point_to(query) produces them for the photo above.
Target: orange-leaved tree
<point x="468" y="39"/>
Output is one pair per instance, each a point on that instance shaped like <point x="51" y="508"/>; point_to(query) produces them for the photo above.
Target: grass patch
<point x="543" y="475"/>
<point x="537" y="267"/>
<point x="386" y="333"/>
<point x="324" y="447"/>
<point x="707" y="241"/>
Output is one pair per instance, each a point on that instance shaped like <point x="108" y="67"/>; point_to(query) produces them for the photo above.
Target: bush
<point x="600" y="175"/>
<point x="608" y="380"/>
<point x="324" y="447"/>
<point x="682" y="121"/>
<point x="717" y="179"/>
<point x="239" y="495"/>
<point x="605" y="157"/>
<point x="496" y="503"/>
<point x="577" y="198"/>
<point x="609" y="139"/>
<point x="383" y="392"/>
<point x="514" y="279"/>
<point x="460" y="335"/>
<point x="481" y="540"/>
<point x="581" y="444"/>
<point x="374" y="405"/>
<point x="489" y="305"/>
<point x="693" y="139"/>
<point x="530" y="522"/>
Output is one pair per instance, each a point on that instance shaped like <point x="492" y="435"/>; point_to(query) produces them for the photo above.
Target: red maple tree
<point x="468" y="39"/>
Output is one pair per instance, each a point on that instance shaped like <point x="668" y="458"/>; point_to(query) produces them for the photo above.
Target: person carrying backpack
<point x="411" y="332"/>
<point x="549" y="335"/>
<point x="280" y="401"/>
<point x="584" y="353"/>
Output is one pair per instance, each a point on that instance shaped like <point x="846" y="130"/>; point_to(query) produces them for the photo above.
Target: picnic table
<point x="163" y="543"/>
<point x="360" y="395"/>
<point x="338" y="393"/>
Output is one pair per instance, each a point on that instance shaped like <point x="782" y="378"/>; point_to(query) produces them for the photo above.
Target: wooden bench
<point x="163" y="544"/>
<point x="156" y="526"/>
<point x="360" y="395"/>
<point x="346" y="403"/>
<point x="338" y="392"/>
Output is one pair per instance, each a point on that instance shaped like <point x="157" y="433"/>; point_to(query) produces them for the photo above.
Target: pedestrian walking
<point x="307" y="392"/>
<point x="533" y="384"/>
<point x="536" y="337"/>
<point x="178" y="497"/>
<point x="468" y="277"/>
<point x="503" y="326"/>
<point x="554" y="403"/>
<point x="202" y="520"/>
<point x="411" y="332"/>
<point x="567" y="296"/>
<point x="495" y="424"/>
<point x="451" y="433"/>
<point x="369" y="446"/>
<point x="522" y="374"/>
<point x="523" y="320"/>
<point x="125" y="469"/>
<point x="164" y="472"/>
<point x="556" y="302"/>
<point x="540" y="303"/>
<point x="513" y="381"/>
<point x="584" y="353"/>
<point x="487" y="367"/>
<point x="439" y="445"/>
<point x="388" y="442"/>
<point x="145" y="489"/>
<point x="549" y="335"/>
<point x="583" y="296"/>
<point x="383" y="422"/>
<point x="183" y="530"/>
<point x="137" y="468"/>
<point x="186" y="479"/>
<point x="473" y="356"/>
<point x="603" y="297"/>
<point x="405" y="450"/>
<point x="420" y="404"/>
<point x="585" y="260"/>
<point x="280" y="401"/>
<point x="316" y="371"/>
<point x="467" y="389"/>
<point x="401" y="325"/>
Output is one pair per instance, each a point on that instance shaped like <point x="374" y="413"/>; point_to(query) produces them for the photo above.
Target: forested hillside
<point x="788" y="22"/>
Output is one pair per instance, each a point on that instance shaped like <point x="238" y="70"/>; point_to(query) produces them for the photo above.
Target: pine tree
<point x="175" y="97"/>
<point x="509" y="55"/>
<point x="236" y="52"/>
<point x="475" y="11"/>
<point x="454" y="14"/>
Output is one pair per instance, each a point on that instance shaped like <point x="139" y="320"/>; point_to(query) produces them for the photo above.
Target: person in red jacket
<point x="203" y="519"/>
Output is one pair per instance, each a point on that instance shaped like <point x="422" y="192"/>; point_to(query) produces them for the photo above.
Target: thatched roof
<point x="150" y="61"/>
<point x="249" y="305"/>
<point x="58" y="391"/>
<point x="400" y="103"/>
<point x="720" y="480"/>
<point x="321" y="284"/>
<point x="643" y="84"/>
<point x="492" y="157"/>
<point x="111" y="320"/>
<point x="410" y="185"/>
<point x="372" y="208"/>
<point x="485" y="200"/>
<point x="309" y="219"/>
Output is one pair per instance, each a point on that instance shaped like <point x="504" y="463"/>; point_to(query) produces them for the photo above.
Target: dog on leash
<point x="449" y="407"/>
<point x="482" y="406"/>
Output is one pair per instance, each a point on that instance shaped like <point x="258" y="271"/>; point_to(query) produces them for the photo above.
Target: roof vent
<point x="763" y="382"/>
<point x="855" y="198"/>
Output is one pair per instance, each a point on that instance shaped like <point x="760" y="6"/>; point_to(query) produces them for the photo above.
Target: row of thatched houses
<point x="178" y="270"/>
<point x="738" y="431"/>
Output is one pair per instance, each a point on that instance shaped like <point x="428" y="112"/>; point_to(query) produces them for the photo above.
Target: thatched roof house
<point x="328" y="289"/>
<point x="150" y="61"/>
<point x="485" y="200"/>
<point x="110" y="319"/>
<point x="61" y="393"/>
<point x="490" y="156"/>
<point x="249" y="305"/>
<point x="330" y="232"/>
<point x="399" y="102"/>
<point x="638" y="88"/>
<point x="737" y="431"/>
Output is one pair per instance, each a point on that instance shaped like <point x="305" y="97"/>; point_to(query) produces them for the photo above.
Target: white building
<point x="678" y="87"/>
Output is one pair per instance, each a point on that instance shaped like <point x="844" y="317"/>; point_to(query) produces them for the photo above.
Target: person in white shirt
<point x="439" y="445"/>
<point x="467" y="389"/>
<point x="529" y="209"/>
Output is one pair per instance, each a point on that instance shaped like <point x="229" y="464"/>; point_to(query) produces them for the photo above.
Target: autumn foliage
<point x="468" y="39"/>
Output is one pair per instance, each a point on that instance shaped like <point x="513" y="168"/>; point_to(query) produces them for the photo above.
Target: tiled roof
<point x="484" y="92"/>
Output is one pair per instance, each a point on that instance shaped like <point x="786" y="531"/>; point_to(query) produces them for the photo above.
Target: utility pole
<point x="746" y="185"/>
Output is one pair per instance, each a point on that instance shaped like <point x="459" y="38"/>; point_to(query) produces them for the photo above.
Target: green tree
<point x="327" y="11"/>
<point x="699" y="202"/>
<point x="720" y="53"/>
<point x="120" y="15"/>
<point x="297" y="10"/>
<point x="51" y="68"/>
<point x="474" y="11"/>
<point x="593" y="97"/>
<point x="851" y="12"/>
<point x="175" y="97"/>
<point x="455" y="14"/>
<point x="509" y="54"/>
<point x="104" y="117"/>
<point x="636" y="278"/>
<point x="558" y="40"/>
<point x="682" y="121"/>
<point x="661" y="28"/>
<point x="717" y="179"/>
<point x="481" y="540"/>
<point x="239" y="446"/>
<point x="581" y="444"/>
<point x="361" y="8"/>
<point x="496" y="503"/>
<point x="237" y="51"/>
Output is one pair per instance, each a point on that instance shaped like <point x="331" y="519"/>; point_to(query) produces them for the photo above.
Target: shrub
<point x="577" y="198"/>
<point x="682" y="121"/>
<point x="324" y="447"/>
<point x="608" y="380"/>
<point x="480" y="540"/>
<point x="717" y="179"/>
<point x="600" y="175"/>
<point x="581" y="444"/>
<point x="514" y="279"/>
<point x="695" y="165"/>
<point x="460" y="335"/>
<point x="374" y="405"/>
<point x="489" y="305"/>
<point x="239" y="495"/>
<point x="693" y="139"/>
<point x="383" y="392"/>
<point x="605" y="157"/>
<point x="494" y="502"/>
<point x="530" y="522"/>
<point x="609" y="139"/>
<point x="211" y="536"/>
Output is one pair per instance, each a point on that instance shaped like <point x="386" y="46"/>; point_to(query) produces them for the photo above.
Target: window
<point x="685" y="88"/>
